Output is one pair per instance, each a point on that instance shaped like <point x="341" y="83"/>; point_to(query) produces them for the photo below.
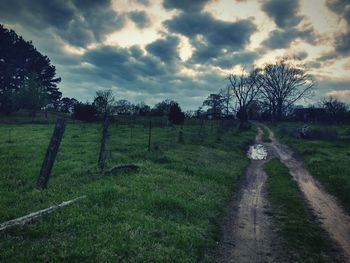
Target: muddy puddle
<point x="257" y="152"/>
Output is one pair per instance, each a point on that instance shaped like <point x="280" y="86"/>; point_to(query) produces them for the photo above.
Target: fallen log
<point x="32" y="216"/>
<point x="120" y="167"/>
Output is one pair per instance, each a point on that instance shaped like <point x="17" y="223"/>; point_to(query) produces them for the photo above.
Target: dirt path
<point x="248" y="234"/>
<point x="333" y="218"/>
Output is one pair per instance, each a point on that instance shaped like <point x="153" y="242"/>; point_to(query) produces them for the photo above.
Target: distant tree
<point x="67" y="104"/>
<point x="142" y="109"/>
<point x="19" y="60"/>
<point x="175" y="115"/>
<point x="215" y="104"/>
<point x="123" y="107"/>
<point x="245" y="90"/>
<point x="282" y="84"/>
<point x="32" y="96"/>
<point x="335" y="109"/>
<point x="199" y="113"/>
<point x="162" y="108"/>
<point x="104" y="102"/>
<point x="84" y="112"/>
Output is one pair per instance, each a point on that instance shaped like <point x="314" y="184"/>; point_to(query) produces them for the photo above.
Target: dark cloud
<point x="216" y="32"/>
<point x="326" y="85"/>
<point x="313" y="64"/>
<point x="78" y="22"/>
<point x="245" y="58"/>
<point x="140" y="18"/>
<point x="342" y="41"/>
<point x="142" y="79"/>
<point x="210" y="36"/>
<point x="185" y="5"/>
<point x="282" y="38"/>
<point x="165" y="49"/>
<point x="283" y="13"/>
<point x="204" y="52"/>
<point x="122" y="64"/>
<point x="300" y="55"/>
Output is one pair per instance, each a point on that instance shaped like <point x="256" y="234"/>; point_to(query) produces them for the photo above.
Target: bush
<point x="324" y="134"/>
<point x="84" y="112"/>
<point x="176" y="116"/>
<point x="312" y="133"/>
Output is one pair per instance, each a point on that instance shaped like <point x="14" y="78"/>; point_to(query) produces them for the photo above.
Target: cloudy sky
<point x="149" y="50"/>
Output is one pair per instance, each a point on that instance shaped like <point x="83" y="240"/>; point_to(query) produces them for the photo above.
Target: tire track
<point x="332" y="217"/>
<point x="248" y="233"/>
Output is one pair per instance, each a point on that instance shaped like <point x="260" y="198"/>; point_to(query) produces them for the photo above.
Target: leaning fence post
<point x="102" y="155"/>
<point x="51" y="153"/>
<point x="149" y="135"/>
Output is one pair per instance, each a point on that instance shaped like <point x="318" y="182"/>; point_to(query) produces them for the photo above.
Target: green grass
<point x="327" y="160"/>
<point x="305" y="239"/>
<point x="168" y="211"/>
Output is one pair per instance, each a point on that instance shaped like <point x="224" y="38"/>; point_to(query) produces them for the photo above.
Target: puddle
<point x="257" y="152"/>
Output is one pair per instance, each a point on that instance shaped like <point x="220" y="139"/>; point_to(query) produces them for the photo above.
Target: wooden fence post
<point x="149" y="135"/>
<point x="51" y="153"/>
<point x="102" y="155"/>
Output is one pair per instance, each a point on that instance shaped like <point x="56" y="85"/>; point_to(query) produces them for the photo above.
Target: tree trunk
<point x="279" y="110"/>
<point x="243" y="119"/>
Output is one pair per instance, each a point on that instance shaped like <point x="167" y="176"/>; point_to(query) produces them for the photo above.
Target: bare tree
<point x="245" y="89"/>
<point x="123" y="107"/>
<point x="335" y="109"/>
<point x="282" y="84"/>
<point x="104" y="102"/>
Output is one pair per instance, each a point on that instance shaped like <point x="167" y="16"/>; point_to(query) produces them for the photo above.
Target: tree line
<point x="271" y="93"/>
<point x="105" y="105"/>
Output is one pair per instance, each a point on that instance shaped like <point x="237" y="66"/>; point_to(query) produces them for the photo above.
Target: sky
<point x="151" y="50"/>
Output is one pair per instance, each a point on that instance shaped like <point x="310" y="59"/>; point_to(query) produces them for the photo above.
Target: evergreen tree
<point x="19" y="61"/>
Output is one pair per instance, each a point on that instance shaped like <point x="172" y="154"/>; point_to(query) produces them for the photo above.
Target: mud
<point x="332" y="217"/>
<point x="248" y="234"/>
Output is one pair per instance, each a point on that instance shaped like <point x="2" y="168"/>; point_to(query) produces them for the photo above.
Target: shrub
<point x="84" y="112"/>
<point x="176" y="116"/>
<point x="324" y="134"/>
<point x="312" y="133"/>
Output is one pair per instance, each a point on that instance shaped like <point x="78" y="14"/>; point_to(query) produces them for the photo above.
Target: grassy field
<point x="167" y="211"/>
<point x="306" y="241"/>
<point x="327" y="160"/>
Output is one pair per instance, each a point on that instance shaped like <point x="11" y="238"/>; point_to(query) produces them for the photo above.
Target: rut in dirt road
<point x="248" y="233"/>
<point x="332" y="217"/>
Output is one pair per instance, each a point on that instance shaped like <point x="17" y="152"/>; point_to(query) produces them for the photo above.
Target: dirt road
<point x="332" y="217"/>
<point x="248" y="232"/>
